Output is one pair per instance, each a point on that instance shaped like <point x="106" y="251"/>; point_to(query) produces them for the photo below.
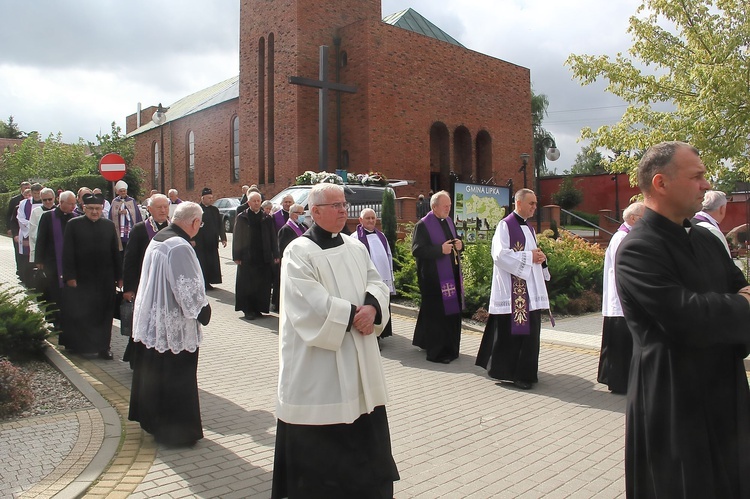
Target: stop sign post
<point x="112" y="167"/>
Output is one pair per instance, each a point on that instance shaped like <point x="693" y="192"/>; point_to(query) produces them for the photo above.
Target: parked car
<point x="228" y="209"/>
<point x="358" y="196"/>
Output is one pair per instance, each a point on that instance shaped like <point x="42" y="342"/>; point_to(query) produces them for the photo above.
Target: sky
<point x="75" y="67"/>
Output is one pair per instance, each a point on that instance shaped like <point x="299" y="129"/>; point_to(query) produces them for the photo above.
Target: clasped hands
<point x="364" y="319"/>
<point x="537" y="256"/>
<point x="450" y="244"/>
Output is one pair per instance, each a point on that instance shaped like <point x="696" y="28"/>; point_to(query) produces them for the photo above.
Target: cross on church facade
<point x="323" y="85"/>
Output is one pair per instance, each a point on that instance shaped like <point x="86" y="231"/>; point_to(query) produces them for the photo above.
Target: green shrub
<point x="405" y="270"/>
<point x="15" y="390"/>
<point x="477" y="269"/>
<point x="23" y="328"/>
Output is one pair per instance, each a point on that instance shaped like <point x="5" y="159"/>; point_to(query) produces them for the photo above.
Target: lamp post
<point x="525" y="162"/>
<point x="159" y="118"/>
<point x="552" y="153"/>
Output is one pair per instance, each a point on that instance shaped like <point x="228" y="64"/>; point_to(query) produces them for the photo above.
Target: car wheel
<point x="227" y="225"/>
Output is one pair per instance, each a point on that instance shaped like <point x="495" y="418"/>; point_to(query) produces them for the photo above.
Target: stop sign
<point x="112" y="167"/>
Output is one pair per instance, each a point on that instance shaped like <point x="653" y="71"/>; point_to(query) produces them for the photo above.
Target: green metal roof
<point x="412" y="20"/>
<point x="200" y="100"/>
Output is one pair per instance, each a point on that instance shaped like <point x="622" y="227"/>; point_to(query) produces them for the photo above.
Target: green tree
<point x="10" y="130"/>
<point x="36" y="160"/>
<point x="691" y="57"/>
<point x="539" y="104"/>
<point x="116" y="142"/>
<point x="588" y="161"/>
<point x="569" y="196"/>
<point x="388" y="218"/>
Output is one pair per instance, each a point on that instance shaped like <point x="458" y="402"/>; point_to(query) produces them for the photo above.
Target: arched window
<point x="439" y="157"/>
<point x="156" y="165"/>
<point x="462" y="154"/>
<point x="235" y="162"/>
<point x="190" y="177"/>
<point x="484" y="157"/>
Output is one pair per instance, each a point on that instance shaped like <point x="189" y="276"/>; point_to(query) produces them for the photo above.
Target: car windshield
<point x="298" y="193"/>
<point x="228" y="202"/>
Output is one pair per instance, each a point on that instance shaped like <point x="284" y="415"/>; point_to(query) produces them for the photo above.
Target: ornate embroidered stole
<point x="519" y="290"/>
<point x="450" y="289"/>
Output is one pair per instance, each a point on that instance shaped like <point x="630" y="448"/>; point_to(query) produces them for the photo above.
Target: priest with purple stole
<point x="437" y="248"/>
<point x="280" y="218"/>
<point x="293" y="228"/>
<point x="140" y="237"/>
<point x="617" y="342"/>
<point x="510" y="345"/>
<point x="380" y="254"/>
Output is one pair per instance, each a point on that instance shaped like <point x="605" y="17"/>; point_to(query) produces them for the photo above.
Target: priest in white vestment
<point x="713" y="212"/>
<point x="332" y="436"/>
<point x="510" y="345"/>
<point x="617" y="342"/>
<point x="170" y="307"/>
<point x="380" y="254"/>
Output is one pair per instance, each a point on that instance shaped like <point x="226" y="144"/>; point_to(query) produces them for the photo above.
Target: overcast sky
<point x="74" y="67"/>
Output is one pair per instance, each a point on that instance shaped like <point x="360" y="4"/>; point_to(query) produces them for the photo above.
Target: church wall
<point x="298" y="28"/>
<point x="412" y="81"/>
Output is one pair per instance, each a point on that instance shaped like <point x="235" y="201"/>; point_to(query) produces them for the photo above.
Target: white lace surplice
<point x="170" y="296"/>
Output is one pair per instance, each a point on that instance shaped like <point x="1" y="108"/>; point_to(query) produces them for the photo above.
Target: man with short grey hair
<point x="617" y="343"/>
<point x="713" y="212"/>
<point x="170" y="307"/>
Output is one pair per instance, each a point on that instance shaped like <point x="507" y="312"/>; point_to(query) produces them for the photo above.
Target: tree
<point x="692" y="57"/>
<point x="539" y="104"/>
<point x="388" y="218"/>
<point x="568" y="197"/>
<point x="588" y="161"/>
<point x="10" y="130"/>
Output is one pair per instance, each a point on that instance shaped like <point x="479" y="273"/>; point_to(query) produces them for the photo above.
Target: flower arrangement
<point x="371" y="178"/>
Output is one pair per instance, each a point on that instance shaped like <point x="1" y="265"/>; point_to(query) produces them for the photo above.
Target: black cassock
<point x="207" y="244"/>
<point x="688" y="409"/>
<point x="255" y="245"/>
<point x="437" y="333"/>
<point x="44" y="253"/>
<point x="131" y="269"/>
<point x="91" y="256"/>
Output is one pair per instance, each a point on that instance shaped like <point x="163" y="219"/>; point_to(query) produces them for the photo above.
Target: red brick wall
<point x="598" y="191"/>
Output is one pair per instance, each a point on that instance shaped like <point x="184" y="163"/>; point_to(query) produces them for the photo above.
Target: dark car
<point x="359" y="197"/>
<point x="228" y="209"/>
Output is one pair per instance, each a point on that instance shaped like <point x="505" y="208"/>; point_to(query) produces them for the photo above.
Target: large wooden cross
<point x="323" y="85"/>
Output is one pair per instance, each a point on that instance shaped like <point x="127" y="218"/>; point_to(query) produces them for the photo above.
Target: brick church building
<point x="416" y="105"/>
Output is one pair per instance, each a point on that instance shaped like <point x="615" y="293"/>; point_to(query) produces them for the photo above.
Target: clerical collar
<point x="521" y="220"/>
<point x="324" y="238"/>
<point x="368" y="231"/>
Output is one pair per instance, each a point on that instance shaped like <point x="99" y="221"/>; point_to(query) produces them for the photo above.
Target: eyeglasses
<point x="337" y="206"/>
<point x="48" y="199"/>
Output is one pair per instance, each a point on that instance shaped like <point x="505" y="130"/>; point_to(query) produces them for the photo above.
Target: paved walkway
<point x="455" y="432"/>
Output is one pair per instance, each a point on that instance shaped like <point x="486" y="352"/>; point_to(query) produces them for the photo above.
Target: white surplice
<point x="713" y="226"/>
<point x="328" y="375"/>
<point x="611" y="306"/>
<point x="519" y="263"/>
<point x="170" y="296"/>
<point x="381" y="257"/>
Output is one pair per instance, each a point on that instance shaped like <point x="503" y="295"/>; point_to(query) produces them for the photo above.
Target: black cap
<point x="206" y="191"/>
<point x="93" y="199"/>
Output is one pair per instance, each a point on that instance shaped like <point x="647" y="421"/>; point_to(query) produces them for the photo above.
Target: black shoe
<point x="209" y="287"/>
<point x="523" y="385"/>
<point x="251" y="316"/>
<point x="106" y="355"/>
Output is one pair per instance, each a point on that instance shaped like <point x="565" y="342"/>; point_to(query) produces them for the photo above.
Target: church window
<point x="190" y="177"/>
<point x="343" y="59"/>
<point x="261" y="111"/>
<point x="157" y="165"/>
<point x="462" y="154"/>
<point x="270" y="113"/>
<point x="484" y="157"/>
<point x="235" y="149"/>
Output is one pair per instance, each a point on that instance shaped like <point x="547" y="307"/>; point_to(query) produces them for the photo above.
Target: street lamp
<point x="159" y="118"/>
<point x="617" y="197"/>
<point x="552" y="153"/>
<point x="525" y="161"/>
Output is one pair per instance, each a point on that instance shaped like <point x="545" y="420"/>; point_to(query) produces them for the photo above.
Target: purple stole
<point x="296" y="228"/>
<point x="452" y="304"/>
<point x="700" y="217"/>
<point x="279" y="220"/>
<point x="362" y="235"/>
<point x="519" y="291"/>
<point x="624" y="228"/>
<point x="151" y="228"/>
<point x="57" y="239"/>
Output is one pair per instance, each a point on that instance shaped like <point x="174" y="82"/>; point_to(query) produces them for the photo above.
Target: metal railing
<point x="593" y="226"/>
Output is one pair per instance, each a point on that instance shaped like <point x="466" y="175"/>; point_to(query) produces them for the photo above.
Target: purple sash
<point x="151" y="228"/>
<point x="700" y="217"/>
<point x="278" y="219"/>
<point x="624" y="228"/>
<point x="296" y="228"/>
<point x="449" y="288"/>
<point x="363" y="237"/>
<point x="519" y="291"/>
<point x="57" y="239"/>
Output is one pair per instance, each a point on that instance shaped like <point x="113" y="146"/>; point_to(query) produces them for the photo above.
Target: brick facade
<point x="423" y="107"/>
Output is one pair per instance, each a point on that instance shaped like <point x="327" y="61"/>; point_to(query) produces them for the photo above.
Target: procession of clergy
<point x="82" y="258"/>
